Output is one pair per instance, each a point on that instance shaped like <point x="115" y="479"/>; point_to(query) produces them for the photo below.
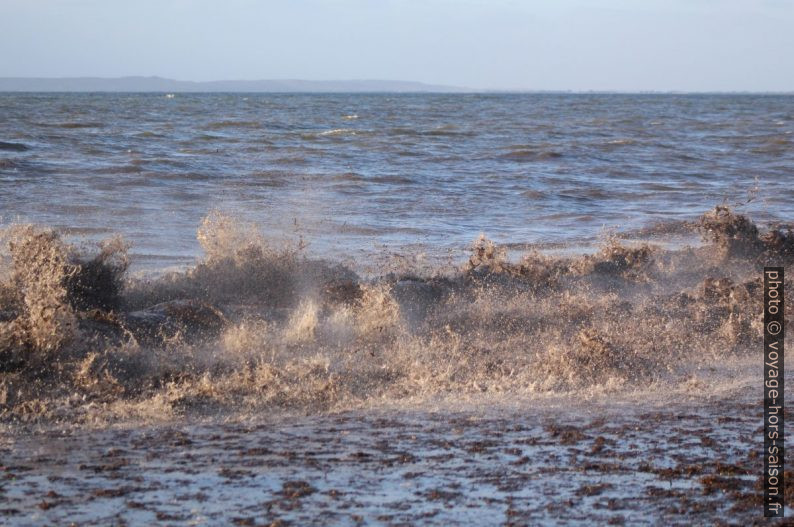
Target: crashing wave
<point x="258" y="326"/>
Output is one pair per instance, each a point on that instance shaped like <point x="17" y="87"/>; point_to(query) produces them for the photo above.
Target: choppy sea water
<point x="374" y="172"/>
<point x="281" y="303"/>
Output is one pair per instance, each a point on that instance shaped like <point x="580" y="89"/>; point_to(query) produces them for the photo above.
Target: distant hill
<point x="159" y="84"/>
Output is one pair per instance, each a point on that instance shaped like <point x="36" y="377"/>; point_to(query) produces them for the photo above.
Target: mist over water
<point x="372" y="173"/>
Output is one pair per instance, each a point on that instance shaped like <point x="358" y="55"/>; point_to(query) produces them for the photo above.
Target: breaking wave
<point x="260" y="326"/>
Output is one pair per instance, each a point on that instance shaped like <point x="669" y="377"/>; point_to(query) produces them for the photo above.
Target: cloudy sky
<point x="625" y="45"/>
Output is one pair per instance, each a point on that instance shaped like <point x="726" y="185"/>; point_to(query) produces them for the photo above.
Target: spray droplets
<point x="257" y="324"/>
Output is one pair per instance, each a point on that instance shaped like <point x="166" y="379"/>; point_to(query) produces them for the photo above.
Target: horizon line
<point x="429" y="87"/>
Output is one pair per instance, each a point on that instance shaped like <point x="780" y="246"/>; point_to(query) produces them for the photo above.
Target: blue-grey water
<point x="366" y="172"/>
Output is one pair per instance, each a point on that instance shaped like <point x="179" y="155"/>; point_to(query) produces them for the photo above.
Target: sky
<point x="580" y="45"/>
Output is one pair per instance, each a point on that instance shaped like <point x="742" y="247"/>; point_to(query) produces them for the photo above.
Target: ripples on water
<point x="364" y="172"/>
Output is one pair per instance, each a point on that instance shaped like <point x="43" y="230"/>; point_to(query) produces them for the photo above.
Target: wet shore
<point x="596" y="463"/>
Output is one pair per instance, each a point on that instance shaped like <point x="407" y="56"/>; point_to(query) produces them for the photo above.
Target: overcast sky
<point x="626" y="45"/>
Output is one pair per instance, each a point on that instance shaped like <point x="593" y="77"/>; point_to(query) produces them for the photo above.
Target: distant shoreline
<point x="163" y="85"/>
<point x="155" y="85"/>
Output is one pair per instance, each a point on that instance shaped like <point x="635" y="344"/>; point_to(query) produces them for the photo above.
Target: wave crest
<point x="256" y="324"/>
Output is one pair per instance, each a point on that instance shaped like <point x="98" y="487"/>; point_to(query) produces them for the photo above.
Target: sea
<point x="388" y="309"/>
<point x="368" y="173"/>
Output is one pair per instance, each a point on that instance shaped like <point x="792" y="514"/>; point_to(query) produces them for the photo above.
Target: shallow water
<point x="571" y="462"/>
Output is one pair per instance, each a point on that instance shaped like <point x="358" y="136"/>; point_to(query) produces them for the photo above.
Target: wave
<point x="334" y="133"/>
<point x="440" y="131"/>
<point x="261" y="326"/>
<point x="149" y="133"/>
<point x="620" y="142"/>
<point x="128" y="168"/>
<point x="529" y="154"/>
<point x="220" y="125"/>
<point x="338" y="131"/>
<point x="74" y="124"/>
<point x="270" y="178"/>
<point x="13" y="147"/>
<point x="394" y="179"/>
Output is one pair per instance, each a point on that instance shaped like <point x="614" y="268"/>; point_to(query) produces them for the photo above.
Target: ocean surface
<point x="388" y="309"/>
<point x="366" y="174"/>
